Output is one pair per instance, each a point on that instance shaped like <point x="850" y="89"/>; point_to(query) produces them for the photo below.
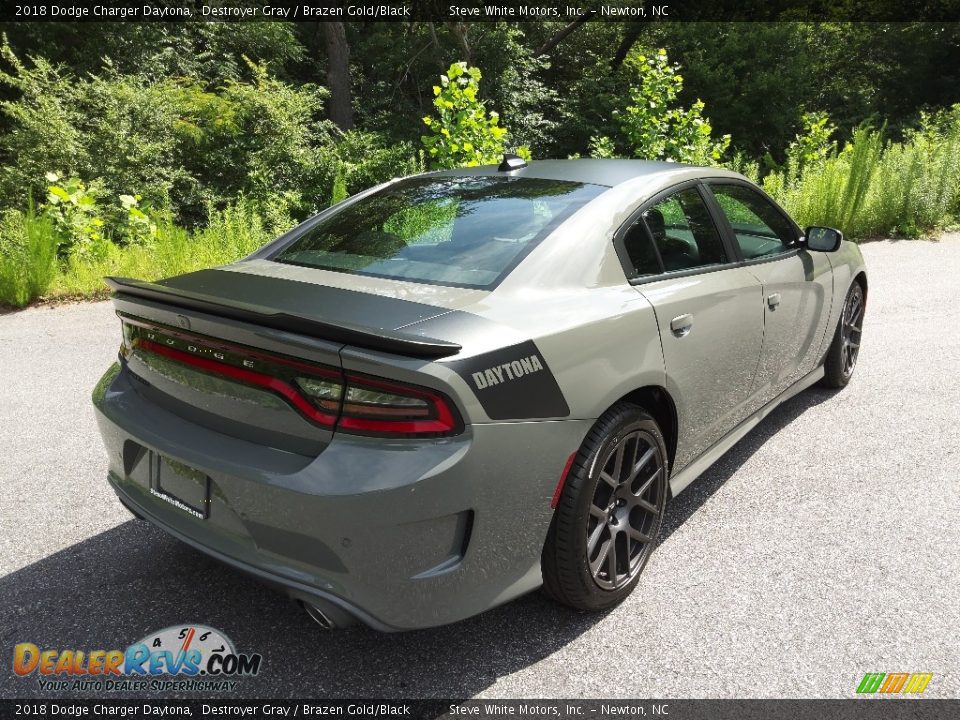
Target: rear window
<point x="463" y="231"/>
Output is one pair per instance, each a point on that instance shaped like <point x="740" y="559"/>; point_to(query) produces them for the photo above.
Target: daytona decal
<point x="514" y="383"/>
<point x="508" y="371"/>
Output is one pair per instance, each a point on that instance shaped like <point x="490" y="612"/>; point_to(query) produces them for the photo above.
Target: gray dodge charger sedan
<point x="454" y="388"/>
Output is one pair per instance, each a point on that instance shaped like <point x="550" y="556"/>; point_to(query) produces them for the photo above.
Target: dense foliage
<point x="463" y="133"/>
<point x="153" y="148"/>
<point x="654" y="127"/>
<point x="871" y="186"/>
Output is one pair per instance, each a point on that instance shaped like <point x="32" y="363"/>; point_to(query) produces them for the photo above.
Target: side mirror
<point x="822" y="239"/>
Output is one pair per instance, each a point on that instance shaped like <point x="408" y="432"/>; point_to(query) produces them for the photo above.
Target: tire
<point x="594" y="513"/>
<point x="842" y="356"/>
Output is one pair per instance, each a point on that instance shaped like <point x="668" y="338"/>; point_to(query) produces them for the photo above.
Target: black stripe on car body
<point x="513" y="383"/>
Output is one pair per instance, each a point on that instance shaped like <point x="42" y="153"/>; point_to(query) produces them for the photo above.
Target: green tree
<point x="463" y="133"/>
<point x="654" y="127"/>
<point x="813" y="145"/>
<point x="181" y="145"/>
<point x="754" y="77"/>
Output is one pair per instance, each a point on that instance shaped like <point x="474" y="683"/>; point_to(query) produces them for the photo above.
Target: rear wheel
<point x="842" y="356"/>
<point x="609" y="513"/>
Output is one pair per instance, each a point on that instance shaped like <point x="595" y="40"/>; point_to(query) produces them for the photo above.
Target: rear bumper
<point x="400" y="534"/>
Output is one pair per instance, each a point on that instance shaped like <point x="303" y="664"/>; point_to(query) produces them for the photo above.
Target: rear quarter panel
<point x="597" y="343"/>
<point x="601" y="343"/>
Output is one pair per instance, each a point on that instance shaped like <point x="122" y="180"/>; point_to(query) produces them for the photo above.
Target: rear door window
<point x="640" y="251"/>
<point x="684" y="233"/>
<point x="463" y="231"/>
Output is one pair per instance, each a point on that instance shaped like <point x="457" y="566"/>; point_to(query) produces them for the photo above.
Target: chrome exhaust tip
<point x="318" y="616"/>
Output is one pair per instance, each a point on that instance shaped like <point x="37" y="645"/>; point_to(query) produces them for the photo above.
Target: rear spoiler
<point x="369" y="338"/>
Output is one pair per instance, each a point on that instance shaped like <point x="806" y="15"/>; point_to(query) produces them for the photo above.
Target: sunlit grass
<point x="230" y="235"/>
<point x="876" y="188"/>
<point x="28" y="256"/>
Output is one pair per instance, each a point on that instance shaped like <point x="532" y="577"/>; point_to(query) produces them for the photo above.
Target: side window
<point x="759" y="228"/>
<point x="684" y="233"/>
<point x="640" y="250"/>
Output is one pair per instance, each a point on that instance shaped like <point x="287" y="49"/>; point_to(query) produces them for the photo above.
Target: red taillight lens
<point x="353" y="403"/>
<point x="314" y="411"/>
<point x="380" y="407"/>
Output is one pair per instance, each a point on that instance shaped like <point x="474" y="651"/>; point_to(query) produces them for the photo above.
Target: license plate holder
<point x="182" y="486"/>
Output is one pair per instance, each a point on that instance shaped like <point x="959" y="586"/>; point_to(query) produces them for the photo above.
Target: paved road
<point x="824" y="545"/>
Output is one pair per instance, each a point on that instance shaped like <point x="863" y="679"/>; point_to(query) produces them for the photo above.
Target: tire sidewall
<point x="854" y="290"/>
<point x="835" y="375"/>
<point x="630" y="422"/>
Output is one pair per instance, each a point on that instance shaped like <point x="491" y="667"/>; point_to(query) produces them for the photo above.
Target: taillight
<point x="313" y="409"/>
<point x="381" y="407"/>
<point x="325" y="395"/>
<point x="324" y="392"/>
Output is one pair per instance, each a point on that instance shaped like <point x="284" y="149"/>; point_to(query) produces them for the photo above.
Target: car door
<point x="797" y="284"/>
<point x="709" y="313"/>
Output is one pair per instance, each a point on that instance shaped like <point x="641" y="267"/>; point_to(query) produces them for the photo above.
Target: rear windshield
<point x="463" y="231"/>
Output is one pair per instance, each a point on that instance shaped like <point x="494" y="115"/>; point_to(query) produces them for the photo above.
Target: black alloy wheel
<point x="609" y="513"/>
<point x="844" y="351"/>
<point x="851" y="328"/>
<point x="626" y="509"/>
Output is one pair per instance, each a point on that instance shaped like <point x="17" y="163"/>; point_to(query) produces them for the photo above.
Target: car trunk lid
<point x="258" y="358"/>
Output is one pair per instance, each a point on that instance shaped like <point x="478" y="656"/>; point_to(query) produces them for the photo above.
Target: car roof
<point x="587" y="170"/>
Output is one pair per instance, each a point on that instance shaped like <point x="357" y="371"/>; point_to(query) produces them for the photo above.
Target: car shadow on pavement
<point x="114" y="588"/>
<point x="680" y="508"/>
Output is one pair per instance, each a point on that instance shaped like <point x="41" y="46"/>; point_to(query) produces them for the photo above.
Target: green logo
<point x="891" y="683"/>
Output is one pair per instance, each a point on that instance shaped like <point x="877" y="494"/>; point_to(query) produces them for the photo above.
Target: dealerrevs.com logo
<point x="177" y="658"/>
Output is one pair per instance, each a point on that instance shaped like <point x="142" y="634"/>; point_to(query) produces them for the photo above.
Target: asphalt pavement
<point x="826" y="544"/>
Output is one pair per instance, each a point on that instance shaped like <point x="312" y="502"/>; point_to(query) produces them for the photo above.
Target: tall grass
<point x="230" y="234"/>
<point x="33" y="271"/>
<point x="876" y="188"/>
<point x="28" y="256"/>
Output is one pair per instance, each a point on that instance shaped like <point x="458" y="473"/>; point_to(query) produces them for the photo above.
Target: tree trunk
<point x="459" y="32"/>
<point x="630" y="37"/>
<point x="559" y="37"/>
<point x="338" y="75"/>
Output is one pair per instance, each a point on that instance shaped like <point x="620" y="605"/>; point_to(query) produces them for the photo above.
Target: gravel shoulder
<point x="824" y="545"/>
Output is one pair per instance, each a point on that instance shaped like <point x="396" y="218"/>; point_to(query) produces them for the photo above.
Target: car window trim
<point x="733" y="260"/>
<point x="671" y="274"/>
<point x="726" y="228"/>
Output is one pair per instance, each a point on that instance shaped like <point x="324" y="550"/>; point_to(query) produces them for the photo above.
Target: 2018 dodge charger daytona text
<point x="453" y="388"/>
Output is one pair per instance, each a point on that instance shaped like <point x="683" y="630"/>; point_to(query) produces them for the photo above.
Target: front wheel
<point x="842" y="356"/>
<point x="609" y="513"/>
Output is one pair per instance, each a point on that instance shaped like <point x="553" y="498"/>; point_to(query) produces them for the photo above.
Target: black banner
<point x="476" y="10"/>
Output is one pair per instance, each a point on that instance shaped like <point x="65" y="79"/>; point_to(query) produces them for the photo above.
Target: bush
<point x="72" y="208"/>
<point x="28" y="256"/>
<point x="813" y="145"/>
<point x="366" y="160"/>
<point x="602" y="147"/>
<point x="179" y="144"/>
<point x="233" y="232"/>
<point x="463" y="134"/>
<point x="654" y="128"/>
